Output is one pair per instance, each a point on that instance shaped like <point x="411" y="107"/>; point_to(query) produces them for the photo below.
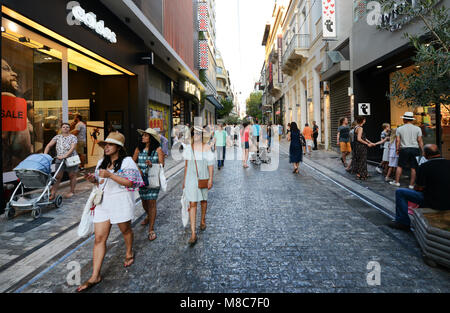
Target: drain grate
<point x="30" y="225"/>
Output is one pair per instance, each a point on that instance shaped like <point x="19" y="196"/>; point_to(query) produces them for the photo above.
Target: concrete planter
<point x="432" y="231"/>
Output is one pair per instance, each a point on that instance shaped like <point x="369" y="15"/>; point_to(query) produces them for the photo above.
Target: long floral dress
<point x="359" y="161"/>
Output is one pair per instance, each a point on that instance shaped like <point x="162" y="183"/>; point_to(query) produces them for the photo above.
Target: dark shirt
<point x="315" y="131"/>
<point x="434" y="176"/>
<point x="344" y="133"/>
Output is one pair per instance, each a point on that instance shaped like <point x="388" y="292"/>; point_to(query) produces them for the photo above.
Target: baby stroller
<point x="261" y="156"/>
<point x="34" y="172"/>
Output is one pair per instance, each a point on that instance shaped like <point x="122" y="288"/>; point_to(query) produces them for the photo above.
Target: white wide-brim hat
<point x="408" y="116"/>
<point x="151" y="132"/>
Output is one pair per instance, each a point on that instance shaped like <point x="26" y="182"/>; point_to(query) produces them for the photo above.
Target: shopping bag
<point x="86" y="226"/>
<point x="184" y="209"/>
<point x="162" y="179"/>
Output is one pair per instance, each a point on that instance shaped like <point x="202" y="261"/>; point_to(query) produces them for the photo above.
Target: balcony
<point x="296" y="52"/>
<point x="275" y="89"/>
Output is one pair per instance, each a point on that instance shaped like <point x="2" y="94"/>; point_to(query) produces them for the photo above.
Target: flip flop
<point x="127" y="260"/>
<point x="150" y="235"/>
<point x="88" y="285"/>
<point x="145" y="221"/>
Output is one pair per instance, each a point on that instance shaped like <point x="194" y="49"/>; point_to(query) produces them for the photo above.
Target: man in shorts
<point x="409" y="147"/>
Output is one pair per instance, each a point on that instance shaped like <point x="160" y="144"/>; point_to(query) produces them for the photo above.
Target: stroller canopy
<point x="37" y="162"/>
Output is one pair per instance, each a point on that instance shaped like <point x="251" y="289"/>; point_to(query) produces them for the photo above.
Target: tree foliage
<point x="429" y="82"/>
<point x="254" y="103"/>
<point x="227" y="108"/>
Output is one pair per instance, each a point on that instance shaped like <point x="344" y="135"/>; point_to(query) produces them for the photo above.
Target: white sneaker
<point x="393" y="183"/>
<point x="411" y="187"/>
<point x="387" y="179"/>
<point x="379" y="170"/>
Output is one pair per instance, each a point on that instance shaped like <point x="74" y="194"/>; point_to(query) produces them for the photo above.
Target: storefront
<point x="372" y="85"/>
<point x="186" y="100"/>
<point x="73" y="63"/>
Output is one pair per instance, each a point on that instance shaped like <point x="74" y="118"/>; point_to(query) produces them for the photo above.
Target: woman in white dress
<point x="117" y="175"/>
<point x="199" y="167"/>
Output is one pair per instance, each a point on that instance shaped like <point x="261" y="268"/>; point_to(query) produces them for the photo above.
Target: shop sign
<point x="78" y="16"/>
<point x="280" y="59"/>
<point x="203" y="17"/>
<point x="363" y="109"/>
<point x="190" y="88"/>
<point x="203" y="51"/>
<point x="14" y="114"/>
<point x="329" y="19"/>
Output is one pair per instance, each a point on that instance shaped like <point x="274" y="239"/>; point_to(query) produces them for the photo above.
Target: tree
<point x="254" y="103"/>
<point x="428" y="83"/>
<point x="227" y="107"/>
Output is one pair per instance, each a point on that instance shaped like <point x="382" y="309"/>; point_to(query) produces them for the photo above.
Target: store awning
<point x="214" y="101"/>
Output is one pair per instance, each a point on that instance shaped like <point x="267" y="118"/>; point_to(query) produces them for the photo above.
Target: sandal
<point x="193" y="241"/>
<point x="145" y="221"/>
<point x="128" y="260"/>
<point x="151" y="235"/>
<point x="88" y="285"/>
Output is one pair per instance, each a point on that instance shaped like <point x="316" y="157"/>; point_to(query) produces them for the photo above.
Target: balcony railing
<point x="298" y="41"/>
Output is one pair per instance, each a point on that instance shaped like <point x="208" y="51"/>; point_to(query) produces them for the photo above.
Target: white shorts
<point x="116" y="208"/>
<point x="309" y="142"/>
<point x="385" y="155"/>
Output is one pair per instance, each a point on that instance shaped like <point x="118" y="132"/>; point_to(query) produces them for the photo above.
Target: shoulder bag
<point x="302" y="139"/>
<point x="202" y="183"/>
<point x="73" y="161"/>
<point x="153" y="175"/>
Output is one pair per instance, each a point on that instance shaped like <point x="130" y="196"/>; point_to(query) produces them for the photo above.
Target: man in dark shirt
<point x="431" y="190"/>
<point x="315" y="134"/>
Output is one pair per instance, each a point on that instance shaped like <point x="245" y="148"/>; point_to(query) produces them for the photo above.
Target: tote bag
<point x="86" y="226"/>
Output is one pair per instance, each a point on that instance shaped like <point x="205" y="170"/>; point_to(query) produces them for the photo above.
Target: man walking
<point x="431" y="190"/>
<point x="409" y="147"/>
<point x="315" y="134"/>
<point x="308" y="134"/>
<point x="220" y="140"/>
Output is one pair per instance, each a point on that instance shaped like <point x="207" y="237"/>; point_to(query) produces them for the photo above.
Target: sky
<point x="240" y="40"/>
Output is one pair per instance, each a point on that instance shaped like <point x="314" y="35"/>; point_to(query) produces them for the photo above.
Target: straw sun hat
<point x="151" y="132"/>
<point x="115" y="138"/>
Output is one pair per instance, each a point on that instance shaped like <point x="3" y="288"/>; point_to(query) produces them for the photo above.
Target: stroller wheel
<point x="10" y="212"/>
<point x="58" y="201"/>
<point x="36" y="213"/>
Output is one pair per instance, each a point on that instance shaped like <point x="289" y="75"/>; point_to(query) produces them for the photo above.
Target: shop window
<point x="31" y="94"/>
<point x="158" y="117"/>
<point x="425" y="116"/>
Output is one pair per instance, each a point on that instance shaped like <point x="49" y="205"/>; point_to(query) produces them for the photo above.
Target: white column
<point x="65" y="86"/>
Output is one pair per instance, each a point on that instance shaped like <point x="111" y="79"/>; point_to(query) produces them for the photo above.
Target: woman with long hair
<point x="149" y="154"/>
<point x="295" y="148"/>
<point x="361" y="144"/>
<point x="245" y="137"/>
<point x="117" y="176"/>
<point x="199" y="165"/>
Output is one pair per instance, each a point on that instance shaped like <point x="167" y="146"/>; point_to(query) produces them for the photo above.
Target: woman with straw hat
<point x="149" y="154"/>
<point x="117" y="176"/>
<point x="199" y="166"/>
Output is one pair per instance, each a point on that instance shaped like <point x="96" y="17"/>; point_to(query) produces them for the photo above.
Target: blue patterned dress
<point x="146" y="193"/>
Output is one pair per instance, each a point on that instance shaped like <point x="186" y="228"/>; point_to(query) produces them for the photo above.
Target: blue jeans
<point x="402" y="196"/>
<point x="221" y="155"/>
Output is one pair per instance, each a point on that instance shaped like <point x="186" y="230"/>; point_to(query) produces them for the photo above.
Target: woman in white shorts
<point x="117" y="175"/>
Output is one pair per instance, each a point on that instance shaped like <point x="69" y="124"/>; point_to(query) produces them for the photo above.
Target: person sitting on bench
<point x="431" y="189"/>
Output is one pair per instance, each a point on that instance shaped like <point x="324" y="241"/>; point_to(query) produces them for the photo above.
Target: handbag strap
<point x="196" y="169"/>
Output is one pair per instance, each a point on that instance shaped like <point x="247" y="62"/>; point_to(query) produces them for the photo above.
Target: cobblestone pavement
<point x="22" y="235"/>
<point x="267" y="232"/>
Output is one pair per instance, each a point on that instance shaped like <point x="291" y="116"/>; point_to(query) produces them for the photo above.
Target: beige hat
<point x="152" y="132"/>
<point x="115" y="138"/>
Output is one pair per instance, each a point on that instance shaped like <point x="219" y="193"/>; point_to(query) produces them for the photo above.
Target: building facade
<point x="121" y="64"/>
